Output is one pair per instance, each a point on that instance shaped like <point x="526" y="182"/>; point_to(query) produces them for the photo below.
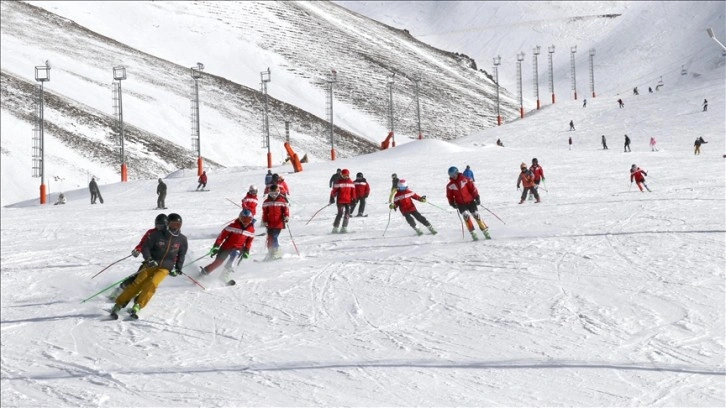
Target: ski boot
<point x="418" y="231"/>
<point x="335" y="230"/>
<point x="114" y="312"/>
<point x="202" y="272"/>
<point x="343" y="230"/>
<point x="133" y="312"/>
<point x="431" y="228"/>
<point x="485" y="231"/>
<point x="474" y="236"/>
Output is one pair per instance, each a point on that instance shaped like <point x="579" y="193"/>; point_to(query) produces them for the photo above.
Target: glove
<point x="150" y="263"/>
<point x="332" y="200"/>
<point x="175" y="272"/>
<point x="478" y="200"/>
<point x="392" y="206"/>
<point x="135" y="253"/>
<point x="214" y="251"/>
<point x="286" y="219"/>
<point x="423" y="199"/>
<point x="245" y="254"/>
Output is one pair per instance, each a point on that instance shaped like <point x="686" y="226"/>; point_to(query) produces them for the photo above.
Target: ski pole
<point x="316" y="213"/>
<point x="114" y="263"/>
<point x="196" y="259"/>
<point x="106" y="288"/>
<point x="291" y="238"/>
<point x="544" y="186"/>
<point x="462" y="223"/>
<point x="442" y="209"/>
<point x="389" y="221"/>
<point x="194" y="280"/>
<point x="234" y="203"/>
<point x="493" y="214"/>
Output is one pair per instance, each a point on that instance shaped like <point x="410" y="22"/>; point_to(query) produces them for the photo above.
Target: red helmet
<point x="345" y="172"/>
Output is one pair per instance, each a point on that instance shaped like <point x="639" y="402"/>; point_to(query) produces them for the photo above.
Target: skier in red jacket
<point x="202" y="180"/>
<point x="638" y="174"/>
<point x="250" y="200"/>
<point x="275" y="214"/>
<point x="344" y="191"/>
<point x="526" y="179"/>
<point x="463" y="196"/>
<point x="404" y="200"/>
<point x="538" y="172"/>
<point x="362" y="190"/>
<point x="235" y="238"/>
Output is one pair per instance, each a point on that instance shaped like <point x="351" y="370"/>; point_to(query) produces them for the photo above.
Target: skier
<point x="635" y="91"/>
<point x="526" y="179"/>
<point x="699" y="141"/>
<point x="95" y="192"/>
<point x="335" y="177"/>
<point x="604" y="143"/>
<point x="235" y="239"/>
<point x="275" y="215"/>
<point x="160" y="195"/>
<point x="362" y="190"/>
<point x="638" y="174"/>
<point x="620" y="102"/>
<point x="282" y="185"/>
<point x="61" y="199"/>
<point x="626" y="146"/>
<point x="705" y="105"/>
<point x="569" y="141"/>
<point x="164" y="253"/>
<point x="499" y="143"/>
<point x="572" y="125"/>
<point x="404" y="199"/>
<point x="468" y="173"/>
<point x="161" y="223"/>
<point x="394" y="187"/>
<point x="584" y="103"/>
<point x="650" y="90"/>
<point x="202" y="180"/>
<point x="538" y="173"/>
<point x="652" y="144"/>
<point x="344" y="191"/>
<point x="463" y="196"/>
<point x="268" y="179"/>
<point x="250" y="200"/>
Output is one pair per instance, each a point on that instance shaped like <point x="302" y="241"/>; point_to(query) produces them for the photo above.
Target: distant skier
<point x="653" y="147"/>
<point x="650" y="90"/>
<point x="604" y="143"/>
<point x="249" y="202"/>
<point x="164" y="253"/>
<point x="463" y="195"/>
<point x="275" y="215"/>
<point x="344" y="192"/>
<point x="235" y="239"/>
<point x="705" y="105"/>
<point x="468" y="173"/>
<point x="499" y="143"/>
<point x="569" y="141"/>
<point x="95" y="192"/>
<point x="699" y="141"/>
<point x="538" y="173"/>
<point x="635" y="91"/>
<point x="61" y="199"/>
<point x="620" y="103"/>
<point x="638" y="174"/>
<point x="362" y="190"/>
<point x="572" y="125"/>
<point x="268" y="179"/>
<point x="626" y="146"/>
<point x="202" y="180"/>
<point x="584" y="103"/>
<point x="404" y="200"/>
<point x="334" y="178"/>
<point x="526" y="180"/>
<point x="160" y="195"/>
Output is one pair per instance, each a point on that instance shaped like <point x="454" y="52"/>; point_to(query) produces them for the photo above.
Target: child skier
<point x="404" y="199"/>
<point x="250" y="200"/>
<point x="526" y="178"/>
<point x="275" y="215"/>
<point x="463" y="196"/>
<point x="638" y="174"/>
<point x="235" y="239"/>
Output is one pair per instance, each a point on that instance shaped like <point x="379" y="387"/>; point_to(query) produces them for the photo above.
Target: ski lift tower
<point x="265" y="78"/>
<point x="520" y="58"/>
<point x="551" y="51"/>
<point x="119" y="74"/>
<point x="592" y="71"/>
<point x="416" y="80"/>
<point x="196" y="137"/>
<point x="332" y="79"/>
<point x="389" y="85"/>
<point x="573" y="50"/>
<point x="497" y="62"/>
<point x="42" y="74"/>
<point x="535" y="54"/>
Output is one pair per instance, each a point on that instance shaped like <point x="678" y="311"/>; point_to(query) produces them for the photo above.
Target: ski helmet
<point x="176" y="219"/>
<point x="253" y="189"/>
<point x="245" y="216"/>
<point x="161" y="222"/>
<point x="534" y="161"/>
<point x="345" y="172"/>
<point x="393" y="176"/>
<point x="359" y="175"/>
<point x="453" y="171"/>
<point x="402" y="185"/>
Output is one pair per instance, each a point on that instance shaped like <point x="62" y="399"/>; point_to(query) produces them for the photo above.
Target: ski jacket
<point x="167" y="249"/>
<point x="538" y="172"/>
<point x="93" y="187"/>
<point x="362" y="189"/>
<point x="236" y="236"/>
<point x="334" y="179"/>
<point x="268" y="179"/>
<point x="144" y="238"/>
<point x="526" y="178"/>
<point x="344" y="191"/>
<point x="203" y="178"/>
<point x="250" y="203"/>
<point x="469" y="174"/>
<point x="638" y="175"/>
<point x="284" y="189"/>
<point x="404" y="201"/>
<point x="161" y="188"/>
<point x="274" y="212"/>
<point x="461" y="191"/>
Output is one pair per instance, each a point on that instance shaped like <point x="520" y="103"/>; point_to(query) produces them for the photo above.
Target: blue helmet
<point x="402" y="185"/>
<point x="453" y="171"/>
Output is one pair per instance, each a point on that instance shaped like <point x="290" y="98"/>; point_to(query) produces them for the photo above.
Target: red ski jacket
<point x="274" y="212"/>
<point x="639" y="175"/>
<point x="203" y="178"/>
<point x="362" y="189"/>
<point x="344" y="191"/>
<point x="538" y="172"/>
<point x="250" y="203"/>
<point x="236" y="236"/>
<point x="461" y="191"/>
<point x="146" y="236"/>
<point x="404" y="201"/>
<point x="526" y="178"/>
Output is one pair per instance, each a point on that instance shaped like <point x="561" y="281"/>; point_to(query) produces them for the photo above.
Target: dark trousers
<point x="417" y="215"/>
<point x="626" y="148"/>
<point x="94" y="197"/>
<point x="160" y="201"/>
<point x="344" y="213"/>
<point x="533" y="190"/>
<point x="362" y="207"/>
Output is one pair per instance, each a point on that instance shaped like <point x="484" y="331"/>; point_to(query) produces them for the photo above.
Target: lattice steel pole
<point x="551" y="51"/>
<point x="42" y="74"/>
<point x="332" y="79"/>
<point x="573" y="50"/>
<point x="535" y="53"/>
<point x="592" y="71"/>
<point x="520" y="58"/>
<point x="119" y="74"/>
<point x="390" y="109"/>
<point x="196" y="75"/>
<point x="497" y="62"/>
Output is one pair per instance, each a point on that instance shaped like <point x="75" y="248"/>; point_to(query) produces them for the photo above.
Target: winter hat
<point x="345" y="172"/>
<point x="359" y="175"/>
<point x="402" y="185"/>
